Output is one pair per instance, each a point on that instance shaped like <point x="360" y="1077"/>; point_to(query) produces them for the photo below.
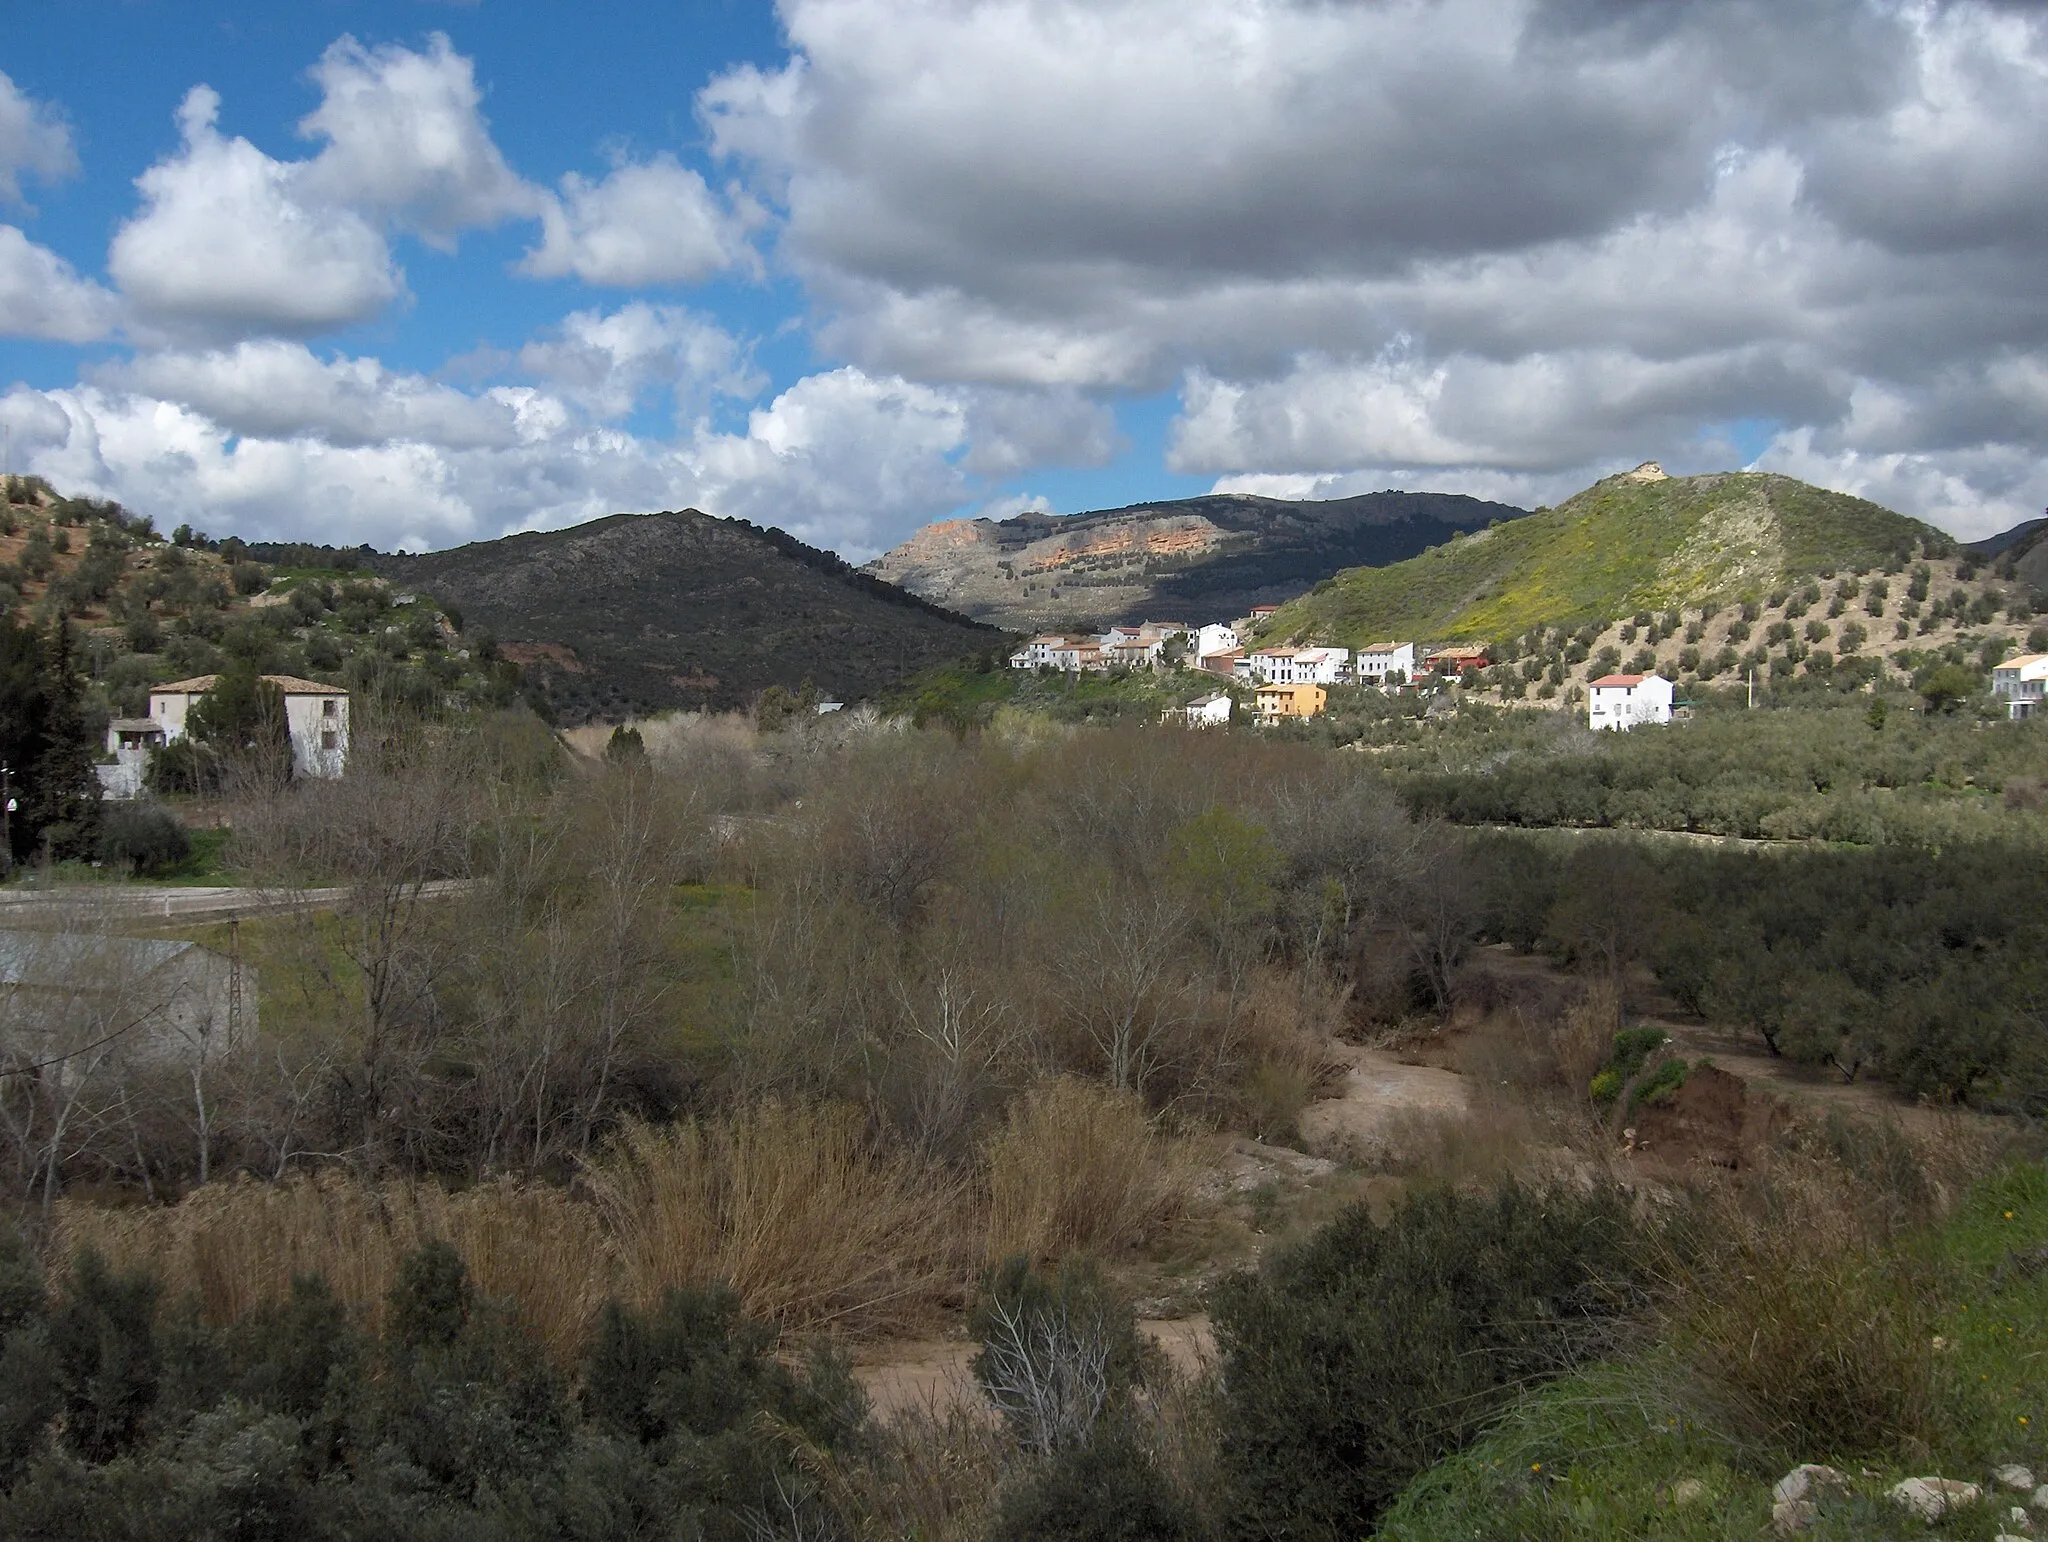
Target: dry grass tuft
<point x="1076" y="1168"/>
<point x="1808" y="1318"/>
<point x="234" y="1246"/>
<point x="793" y="1206"/>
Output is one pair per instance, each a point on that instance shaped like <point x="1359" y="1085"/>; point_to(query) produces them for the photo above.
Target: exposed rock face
<point x="1193" y="559"/>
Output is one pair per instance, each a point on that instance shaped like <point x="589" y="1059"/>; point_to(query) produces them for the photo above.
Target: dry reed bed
<point x="795" y="1205"/>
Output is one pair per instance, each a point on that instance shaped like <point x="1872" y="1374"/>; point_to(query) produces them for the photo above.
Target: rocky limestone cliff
<point x="1190" y="559"/>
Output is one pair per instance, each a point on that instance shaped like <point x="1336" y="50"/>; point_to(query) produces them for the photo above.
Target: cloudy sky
<point x="419" y="273"/>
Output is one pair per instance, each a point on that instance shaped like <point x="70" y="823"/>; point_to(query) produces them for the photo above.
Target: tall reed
<point x="1077" y="1168"/>
<point x="795" y="1207"/>
<point x="233" y="1246"/>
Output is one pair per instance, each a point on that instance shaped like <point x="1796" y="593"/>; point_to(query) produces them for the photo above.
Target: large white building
<point x="2018" y="683"/>
<point x="316" y="716"/>
<point x="1216" y="638"/>
<point x="1627" y="701"/>
<point x="1297" y="666"/>
<point x="1379" y="662"/>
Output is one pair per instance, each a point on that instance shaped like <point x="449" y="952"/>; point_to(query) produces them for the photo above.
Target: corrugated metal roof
<point x="80" y="960"/>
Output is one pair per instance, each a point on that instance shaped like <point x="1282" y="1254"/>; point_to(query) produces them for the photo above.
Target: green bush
<point x="142" y="840"/>
<point x="118" y="1419"/>
<point x="1107" y="1489"/>
<point x="1355" y="1360"/>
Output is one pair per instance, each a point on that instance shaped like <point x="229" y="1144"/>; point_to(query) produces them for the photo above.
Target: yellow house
<point x="1282" y="701"/>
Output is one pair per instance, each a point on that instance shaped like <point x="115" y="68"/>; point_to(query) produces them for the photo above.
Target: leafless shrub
<point x="115" y="1051"/>
<point x="1045" y="1366"/>
<point x="387" y="835"/>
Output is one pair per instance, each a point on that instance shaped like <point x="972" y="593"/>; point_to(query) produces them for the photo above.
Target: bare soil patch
<point x="932" y="1374"/>
<point x="1378" y="1087"/>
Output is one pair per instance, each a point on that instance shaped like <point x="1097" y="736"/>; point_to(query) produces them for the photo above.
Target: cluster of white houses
<point x="1219" y="649"/>
<point x="316" y="718"/>
<point x="1287" y="681"/>
<point x="1293" y="681"/>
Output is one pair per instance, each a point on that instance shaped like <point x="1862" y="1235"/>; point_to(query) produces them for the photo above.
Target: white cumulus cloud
<point x="227" y="243"/>
<point x="280" y="390"/>
<point x="267" y="438"/>
<point x="607" y="362"/>
<point x="41" y="295"/>
<point x="406" y="140"/>
<point x="34" y="139"/>
<point x="646" y="223"/>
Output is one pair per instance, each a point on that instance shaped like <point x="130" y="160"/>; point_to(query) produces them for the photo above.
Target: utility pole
<point x="234" y="978"/>
<point x="6" y="821"/>
<point x="1752" y="687"/>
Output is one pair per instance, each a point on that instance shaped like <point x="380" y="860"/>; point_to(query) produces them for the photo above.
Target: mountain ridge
<point x="1193" y="559"/>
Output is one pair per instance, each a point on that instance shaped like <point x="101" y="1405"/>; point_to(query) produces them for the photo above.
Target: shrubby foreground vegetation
<point x="547" y="1204"/>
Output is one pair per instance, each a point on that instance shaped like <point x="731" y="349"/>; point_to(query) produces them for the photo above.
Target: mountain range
<point x="1189" y="559"/>
<point x="1639" y="540"/>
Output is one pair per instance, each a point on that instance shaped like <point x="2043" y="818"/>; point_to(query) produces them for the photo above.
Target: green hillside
<point x="1631" y="542"/>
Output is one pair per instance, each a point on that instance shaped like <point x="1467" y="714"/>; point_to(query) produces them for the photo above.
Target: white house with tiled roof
<point x="315" y="715"/>
<point x="2019" y="683"/>
<point x="1377" y="662"/>
<point x="1627" y="701"/>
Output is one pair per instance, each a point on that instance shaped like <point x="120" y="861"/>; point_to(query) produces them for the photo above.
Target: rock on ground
<point x="1807" y="1481"/>
<point x="1933" y="1498"/>
<point x="1793" y="1515"/>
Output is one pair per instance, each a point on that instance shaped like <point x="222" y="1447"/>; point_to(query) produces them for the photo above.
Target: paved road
<point x="153" y="901"/>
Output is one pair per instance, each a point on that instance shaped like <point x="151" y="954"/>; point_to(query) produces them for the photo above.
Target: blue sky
<point x="418" y="273"/>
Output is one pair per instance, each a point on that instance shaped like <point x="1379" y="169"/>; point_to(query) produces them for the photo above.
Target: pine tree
<point x="46" y="741"/>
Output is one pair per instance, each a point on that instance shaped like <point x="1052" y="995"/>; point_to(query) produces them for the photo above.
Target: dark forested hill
<point x="640" y="612"/>
<point x="1187" y="559"/>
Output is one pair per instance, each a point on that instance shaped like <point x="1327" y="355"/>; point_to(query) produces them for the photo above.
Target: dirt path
<point x="1379" y="1088"/>
<point x="933" y="1374"/>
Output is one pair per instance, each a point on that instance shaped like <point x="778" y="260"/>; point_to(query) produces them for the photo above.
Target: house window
<point x="330" y="740"/>
<point x="328" y="708"/>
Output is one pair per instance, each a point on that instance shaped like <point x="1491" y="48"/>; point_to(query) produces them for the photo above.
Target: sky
<point x="414" y="273"/>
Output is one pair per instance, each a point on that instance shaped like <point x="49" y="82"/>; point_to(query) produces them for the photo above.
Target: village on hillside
<point x="1854" y="631"/>
<point x="1286" y="682"/>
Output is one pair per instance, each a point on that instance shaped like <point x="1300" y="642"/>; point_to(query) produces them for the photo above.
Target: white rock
<point x="2015" y="1477"/>
<point x="1792" y="1515"/>
<point x="1688" y="1491"/>
<point x="2040" y="1499"/>
<point x="1809" y="1480"/>
<point x="2018" y="1519"/>
<point x="1933" y="1498"/>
